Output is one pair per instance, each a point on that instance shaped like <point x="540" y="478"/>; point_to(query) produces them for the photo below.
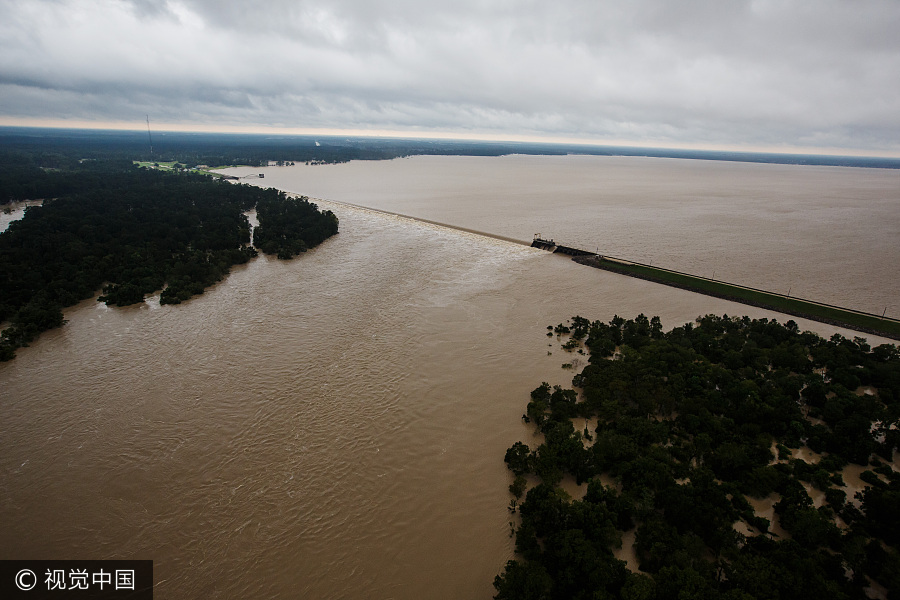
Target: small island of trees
<point x="131" y="232"/>
<point x="686" y="428"/>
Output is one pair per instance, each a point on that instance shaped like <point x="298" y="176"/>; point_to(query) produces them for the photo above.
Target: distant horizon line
<point x="162" y="128"/>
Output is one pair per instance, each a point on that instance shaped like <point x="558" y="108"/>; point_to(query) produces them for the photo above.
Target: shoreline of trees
<point x="130" y="232"/>
<point x="686" y="425"/>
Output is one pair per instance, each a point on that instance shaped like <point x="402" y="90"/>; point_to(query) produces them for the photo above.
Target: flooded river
<point x="329" y="427"/>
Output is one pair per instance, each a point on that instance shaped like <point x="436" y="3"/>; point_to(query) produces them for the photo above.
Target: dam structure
<point x="552" y="246"/>
<point x="783" y="303"/>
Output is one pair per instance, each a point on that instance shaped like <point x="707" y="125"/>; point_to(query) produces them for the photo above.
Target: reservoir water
<point x="334" y="426"/>
<point x="824" y="233"/>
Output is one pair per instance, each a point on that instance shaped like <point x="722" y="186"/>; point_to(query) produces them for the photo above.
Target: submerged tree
<point x="687" y="423"/>
<point x="289" y="226"/>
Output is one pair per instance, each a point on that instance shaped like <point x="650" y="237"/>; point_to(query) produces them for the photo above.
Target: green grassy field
<point x="167" y="166"/>
<point x="155" y="165"/>
<point x="834" y="315"/>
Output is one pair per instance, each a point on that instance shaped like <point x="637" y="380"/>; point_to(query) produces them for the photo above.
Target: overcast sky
<point x="775" y="74"/>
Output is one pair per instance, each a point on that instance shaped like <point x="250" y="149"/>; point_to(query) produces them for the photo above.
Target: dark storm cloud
<point x="822" y="73"/>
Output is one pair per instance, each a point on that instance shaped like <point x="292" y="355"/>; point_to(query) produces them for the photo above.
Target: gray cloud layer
<point x="764" y="72"/>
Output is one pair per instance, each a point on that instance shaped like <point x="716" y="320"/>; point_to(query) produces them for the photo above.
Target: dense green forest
<point x="289" y="226"/>
<point x="688" y="426"/>
<point x="132" y="232"/>
<point x="22" y="179"/>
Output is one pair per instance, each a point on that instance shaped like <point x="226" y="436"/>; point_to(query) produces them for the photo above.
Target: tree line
<point x="690" y="424"/>
<point x="131" y="232"/>
<point x="71" y="150"/>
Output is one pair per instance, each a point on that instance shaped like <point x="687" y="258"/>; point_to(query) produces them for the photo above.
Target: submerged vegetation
<point x="687" y="430"/>
<point x="289" y="226"/>
<point x="132" y="232"/>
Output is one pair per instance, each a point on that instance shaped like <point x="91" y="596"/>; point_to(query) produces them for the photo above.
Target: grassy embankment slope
<point x="857" y="320"/>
